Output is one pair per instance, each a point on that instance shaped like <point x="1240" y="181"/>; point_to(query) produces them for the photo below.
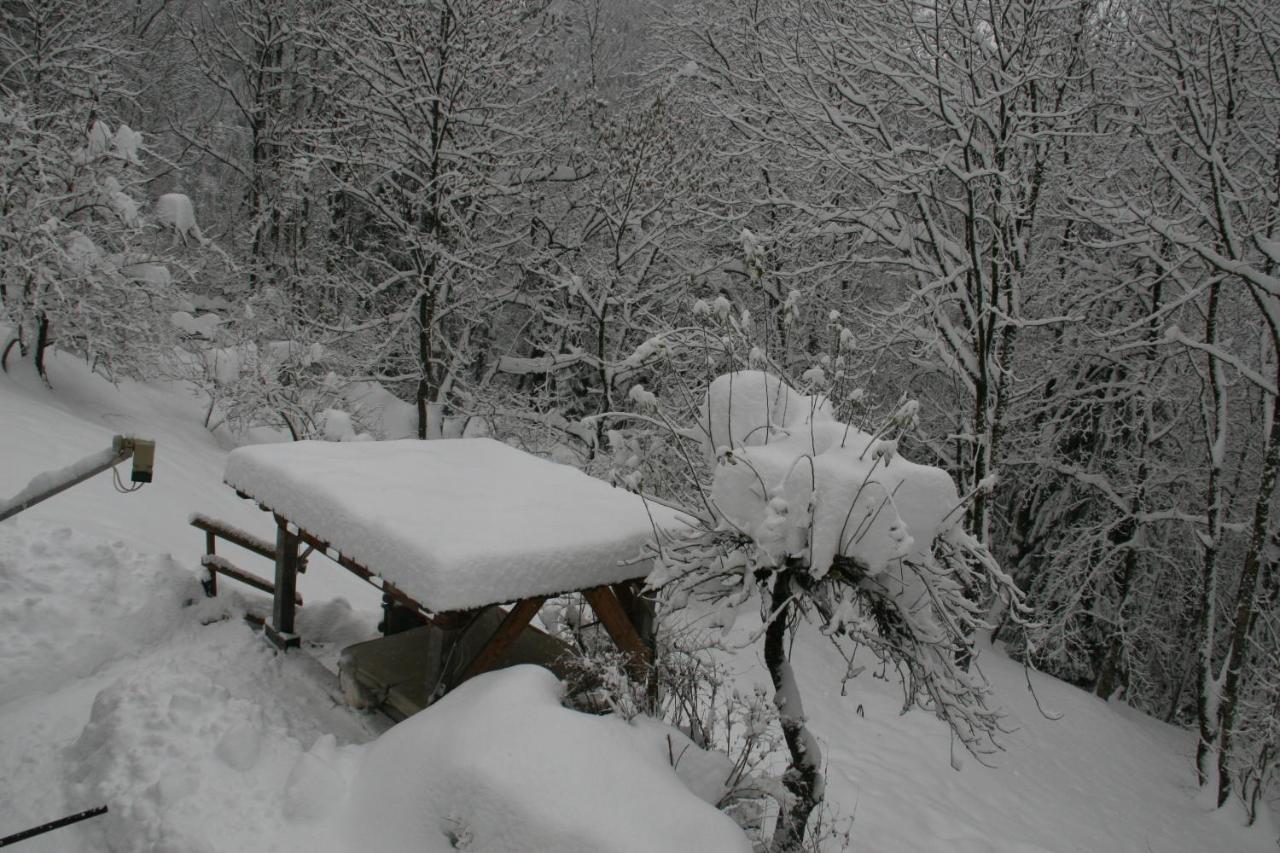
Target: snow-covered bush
<point x="265" y="367"/>
<point x="811" y="520"/>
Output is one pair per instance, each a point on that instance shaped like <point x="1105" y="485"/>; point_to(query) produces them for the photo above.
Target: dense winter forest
<point x="1033" y="243"/>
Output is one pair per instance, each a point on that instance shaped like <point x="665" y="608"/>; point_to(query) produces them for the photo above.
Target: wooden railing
<point x="215" y="564"/>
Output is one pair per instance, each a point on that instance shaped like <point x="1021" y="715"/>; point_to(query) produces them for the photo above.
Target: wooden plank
<point x="360" y="571"/>
<point x="615" y="621"/>
<point x="219" y="565"/>
<point x="507" y="632"/>
<point x="234" y="535"/>
<point x="282" y="608"/>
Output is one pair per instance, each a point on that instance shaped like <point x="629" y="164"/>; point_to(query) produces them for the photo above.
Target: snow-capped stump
<point x="174" y="210"/>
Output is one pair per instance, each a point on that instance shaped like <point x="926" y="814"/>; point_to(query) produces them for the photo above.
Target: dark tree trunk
<point x="803" y="778"/>
<point x="42" y="345"/>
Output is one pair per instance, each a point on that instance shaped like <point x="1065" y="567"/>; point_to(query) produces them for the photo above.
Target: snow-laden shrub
<point x="813" y="521"/>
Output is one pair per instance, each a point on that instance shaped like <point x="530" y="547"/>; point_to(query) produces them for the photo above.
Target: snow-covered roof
<point x="455" y="523"/>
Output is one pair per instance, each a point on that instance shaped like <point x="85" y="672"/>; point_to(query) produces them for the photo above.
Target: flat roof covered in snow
<point x="455" y="523"/>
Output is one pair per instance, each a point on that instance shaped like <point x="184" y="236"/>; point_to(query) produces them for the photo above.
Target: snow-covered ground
<point x="121" y="684"/>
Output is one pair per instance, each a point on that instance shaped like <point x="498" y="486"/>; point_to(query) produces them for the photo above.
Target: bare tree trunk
<point x="803" y="778"/>
<point x="1209" y="744"/>
<point x="42" y="345"/>
<point x="1246" y="605"/>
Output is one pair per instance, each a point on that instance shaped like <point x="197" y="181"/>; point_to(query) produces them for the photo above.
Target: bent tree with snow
<point x="819" y="523"/>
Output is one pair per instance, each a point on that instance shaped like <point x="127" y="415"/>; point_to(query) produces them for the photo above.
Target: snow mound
<point x="216" y="725"/>
<point x="827" y="490"/>
<point x="750" y="408"/>
<point x="499" y="765"/>
<point x="175" y="211"/>
<point x="126" y="144"/>
<point x="204" y="326"/>
<point x="70" y="604"/>
<point x="802" y="484"/>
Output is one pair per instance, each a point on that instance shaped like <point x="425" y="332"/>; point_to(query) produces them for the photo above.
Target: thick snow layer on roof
<point x="455" y="523"/>
<point x="498" y="764"/>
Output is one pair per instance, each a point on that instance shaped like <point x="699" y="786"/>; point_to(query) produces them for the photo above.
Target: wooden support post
<point x="504" y="636"/>
<point x="640" y="611"/>
<point x="625" y="637"/>
<point x="280" y="631"/>
<point x="210" y="581"/>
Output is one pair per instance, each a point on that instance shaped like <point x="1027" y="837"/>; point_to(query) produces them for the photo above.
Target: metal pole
<point x="46" y="485"/>
<point x="56" y="824"/>
<point x="50" y="483"/>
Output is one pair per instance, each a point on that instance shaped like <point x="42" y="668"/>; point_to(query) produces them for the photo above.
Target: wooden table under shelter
<point x="450" y="529"/>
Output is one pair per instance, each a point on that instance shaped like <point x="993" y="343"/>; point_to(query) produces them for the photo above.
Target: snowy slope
<point x="201" y="739"/>
<point x="46" y="429"/>
<point x="1098" y="777"/>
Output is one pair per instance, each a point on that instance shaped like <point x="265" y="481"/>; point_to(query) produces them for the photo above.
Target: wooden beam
<point x="625" y="637"/>
<point x="360" y="571"/>
<point x="213" y="527"/>
<point x="507" y="632"/>
<point x="219" y="565"/>
<point x="639" y="610"/>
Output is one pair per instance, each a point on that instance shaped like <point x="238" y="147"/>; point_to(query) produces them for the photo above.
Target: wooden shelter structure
<point x="466" y="539"/>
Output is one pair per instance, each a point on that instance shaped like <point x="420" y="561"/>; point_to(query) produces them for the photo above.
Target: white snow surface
<point x="750" y="408"/>
<point x="203" y="326"/>
<point x="802" y="484"/>
<point x="455" y="523"/>
<point x="822" y="490"/>
<point x="175" y="210"/>
<point x="498" y="765"/>
<point x="126" y="144"/>
<point x="201" y="739"/>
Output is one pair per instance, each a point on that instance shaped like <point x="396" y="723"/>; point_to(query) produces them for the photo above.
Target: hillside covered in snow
<point x="120" y="684"/>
